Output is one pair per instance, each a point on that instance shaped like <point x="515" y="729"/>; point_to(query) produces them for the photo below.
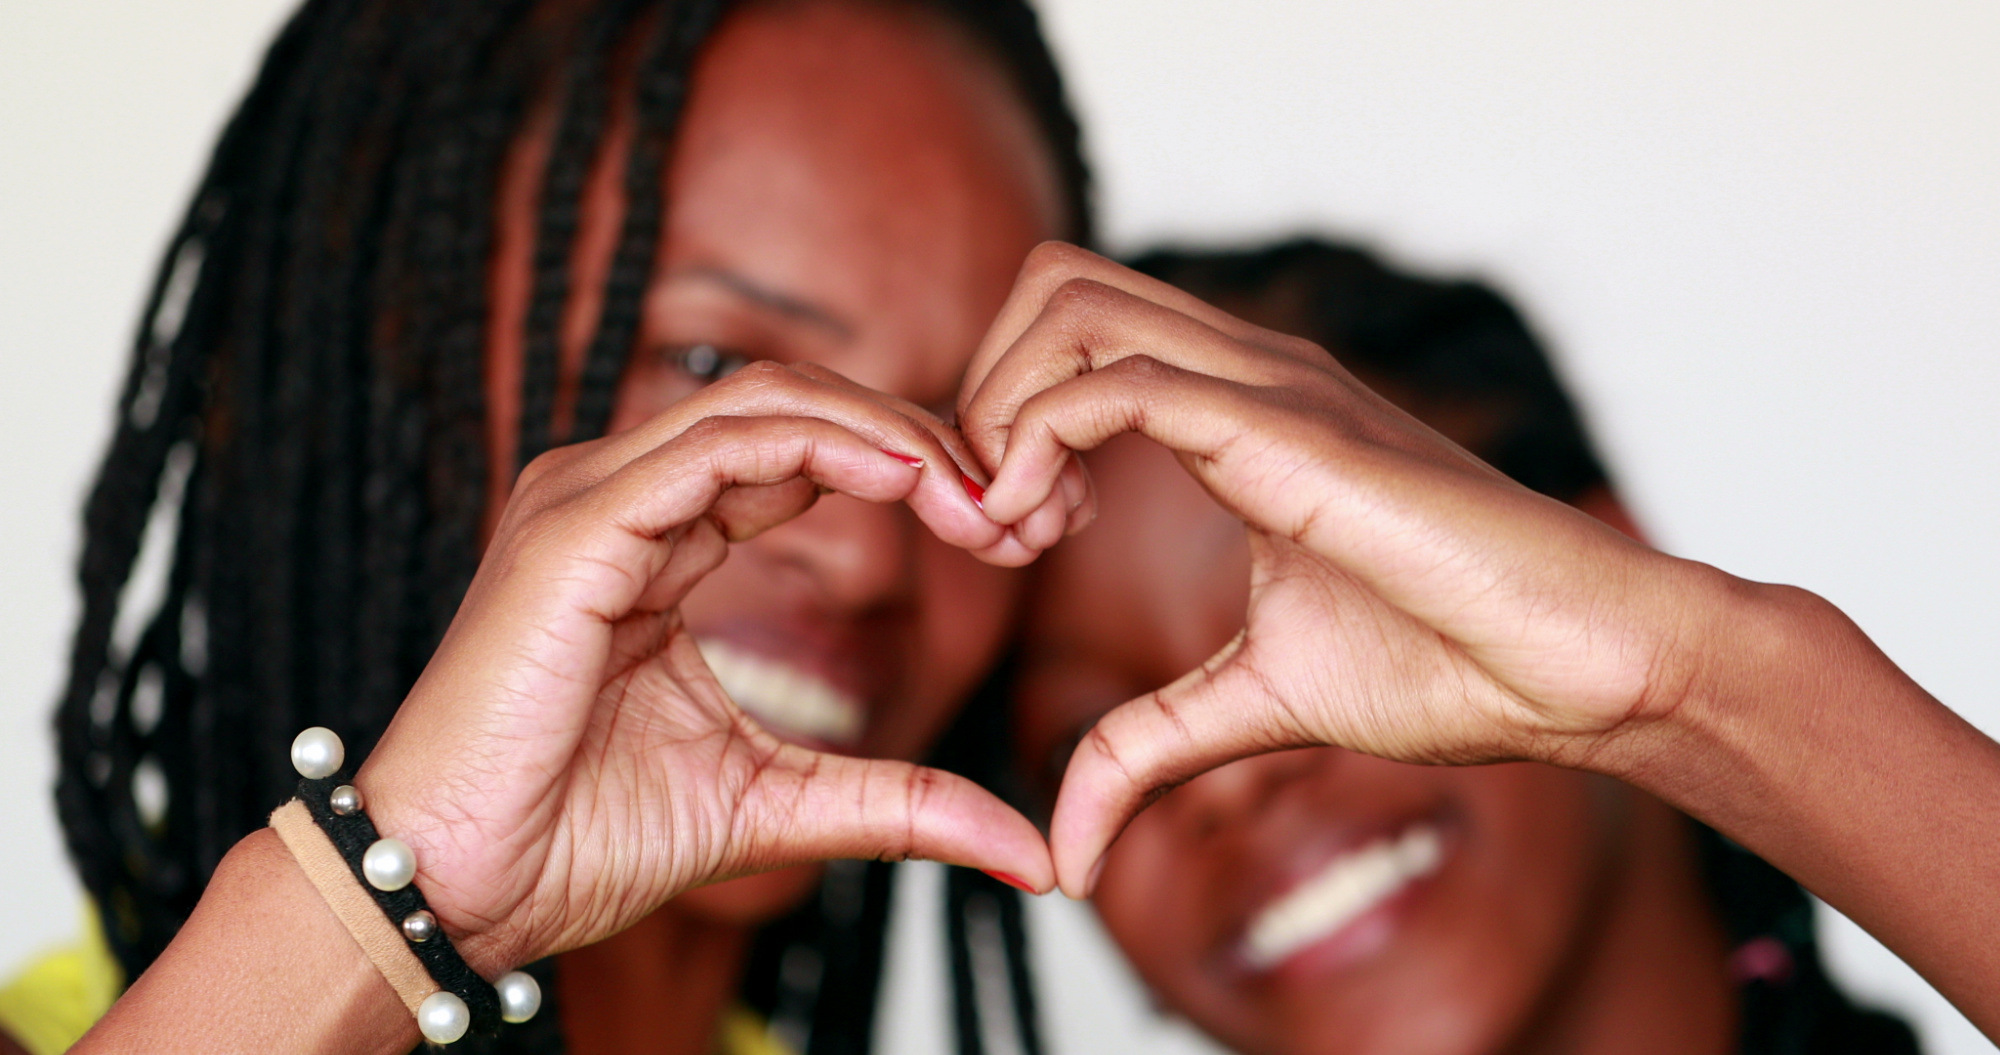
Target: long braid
<point x="586" y="101"/>
<point x="159" y="411"/>
<point x="462" y="181"/>
<point x="985" y="930"/>
<point x="665" y="69"/>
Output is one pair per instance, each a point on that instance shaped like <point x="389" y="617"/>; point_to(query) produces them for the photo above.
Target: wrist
<point x="262" y="964"/>
<point x="368" y="879"/>
<point x="479" y="920"/>
<point x="1768" y="677"/>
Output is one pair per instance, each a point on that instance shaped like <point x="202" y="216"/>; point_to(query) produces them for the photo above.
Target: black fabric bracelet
<point x="352" y="835"/>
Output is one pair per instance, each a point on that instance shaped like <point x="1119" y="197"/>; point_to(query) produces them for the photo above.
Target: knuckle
<point x="810" y="372"/>
<point x="762" y="373"/>
<point x="1140" y="369"/>
<point x="541" y="469"/>
<point x="1080" y="297"/>
<point x="1053" y="257"/>
<point x="1297" y="347"/>
<point x="711" y="430"/>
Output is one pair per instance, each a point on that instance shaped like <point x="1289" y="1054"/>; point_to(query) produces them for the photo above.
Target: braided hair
<point x="1451" y="340"/>
<point x="289" y="512"/>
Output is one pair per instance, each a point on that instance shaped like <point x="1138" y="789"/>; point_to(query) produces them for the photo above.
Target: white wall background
<point x="1762" y="235"/>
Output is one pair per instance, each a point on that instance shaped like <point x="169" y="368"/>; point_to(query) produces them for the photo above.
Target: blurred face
<point x="1305" y="901"/>
<point x="853" y="186"/>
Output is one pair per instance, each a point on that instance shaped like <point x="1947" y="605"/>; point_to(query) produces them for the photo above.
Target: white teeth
<point x="785" y="699"/>
<point x="1346" y="888"/>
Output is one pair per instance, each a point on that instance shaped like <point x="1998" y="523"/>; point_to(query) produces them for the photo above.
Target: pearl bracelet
<point x="368" y="882"/>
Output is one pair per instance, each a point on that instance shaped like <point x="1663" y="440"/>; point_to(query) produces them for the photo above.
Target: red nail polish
<point x="909" y="460"/>
<point x="973" y="489"/>
<point x="1012" y="881"/>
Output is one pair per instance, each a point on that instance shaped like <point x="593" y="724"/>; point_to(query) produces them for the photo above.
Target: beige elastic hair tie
<point x="357" y="910"/>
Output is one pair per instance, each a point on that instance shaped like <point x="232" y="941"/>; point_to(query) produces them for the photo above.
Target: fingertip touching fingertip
<point x="1012" y="880"/>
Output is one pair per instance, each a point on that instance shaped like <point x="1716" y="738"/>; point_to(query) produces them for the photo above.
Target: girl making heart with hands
<point x="1409" y="602"/>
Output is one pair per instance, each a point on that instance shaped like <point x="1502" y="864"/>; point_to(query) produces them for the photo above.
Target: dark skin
<point x="568" y="764"/>
<point x="1567" y="915"/>
<point x="1408" y="602"/>
<point x="854" y="188"/>
<point x="790" y="240"/>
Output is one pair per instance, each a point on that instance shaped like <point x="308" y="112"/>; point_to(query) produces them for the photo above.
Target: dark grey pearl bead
<point x="419" y="926"/>
<point x="345" y="800"/>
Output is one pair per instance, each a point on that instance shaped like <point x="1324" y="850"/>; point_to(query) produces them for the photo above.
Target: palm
<point x="567" y="762"/>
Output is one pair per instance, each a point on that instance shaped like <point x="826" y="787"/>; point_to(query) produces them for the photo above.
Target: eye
<point x="706" y="363"/>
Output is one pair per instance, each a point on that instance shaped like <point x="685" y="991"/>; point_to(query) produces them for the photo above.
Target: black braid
<point x="302" y="435"/>
<point x="983" y="917"/>
<point x="1452" y="339"/>
<point x="663" y="80"/>
<point x="159" y="410"/>
<point x="586" y="101"/>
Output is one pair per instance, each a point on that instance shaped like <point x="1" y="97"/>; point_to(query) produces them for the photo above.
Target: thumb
<point x="1212" y="715"/>
<point x="807" y="806"/>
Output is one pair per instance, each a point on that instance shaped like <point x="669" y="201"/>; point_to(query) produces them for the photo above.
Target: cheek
<point x="1537" y="853"/>
<point x="1150" y="904"/>
<point x="964" y="611"/>
<point x="968" y="605"/>
<point x="1543" y="839"/>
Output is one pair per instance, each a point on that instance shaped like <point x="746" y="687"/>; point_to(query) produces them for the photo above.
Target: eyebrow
<point x="784" y="304"/>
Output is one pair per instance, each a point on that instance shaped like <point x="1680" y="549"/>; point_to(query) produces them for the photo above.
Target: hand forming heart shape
<point x="567" y="762"/>
<point x="1407" y="600"/>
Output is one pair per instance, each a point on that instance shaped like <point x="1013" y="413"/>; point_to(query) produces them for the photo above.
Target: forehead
<point x="868" y="159"/>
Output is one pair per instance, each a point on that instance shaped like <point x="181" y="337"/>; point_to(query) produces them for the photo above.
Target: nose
<point x="1223" y="799"/>
<point x="855" y="555"/>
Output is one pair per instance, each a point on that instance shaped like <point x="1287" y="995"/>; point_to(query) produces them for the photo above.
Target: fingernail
<point x="1096" y="873"/>
<point x="1013" y="881"/>
<point x="972" y="489"/>
<point x="909" y="460"/>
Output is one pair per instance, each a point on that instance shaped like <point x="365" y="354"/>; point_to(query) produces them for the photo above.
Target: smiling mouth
<point x="1340" y="893"/>
<point x="785" y="700"/>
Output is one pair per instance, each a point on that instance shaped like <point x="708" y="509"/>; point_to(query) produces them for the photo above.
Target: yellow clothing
<point x="744" y="1032"/>
<point x="54" y="1002"/>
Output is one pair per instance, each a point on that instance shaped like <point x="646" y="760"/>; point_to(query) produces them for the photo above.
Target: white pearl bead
<point x="317" y="753"/>
<point x="443" y="1018"/>
<point x="389" y="864"/>
<point x="520" y="996"/>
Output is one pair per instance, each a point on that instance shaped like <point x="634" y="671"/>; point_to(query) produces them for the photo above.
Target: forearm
<point x="1805" y="743"/>
<point x="262" y="965"/>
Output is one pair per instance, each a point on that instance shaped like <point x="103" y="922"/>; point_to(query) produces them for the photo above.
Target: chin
<point x="753" y="900"/>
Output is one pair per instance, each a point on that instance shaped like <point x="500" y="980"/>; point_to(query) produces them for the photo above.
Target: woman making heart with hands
<point x="568" y="763"/>
<point x="1409" y="602"/>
